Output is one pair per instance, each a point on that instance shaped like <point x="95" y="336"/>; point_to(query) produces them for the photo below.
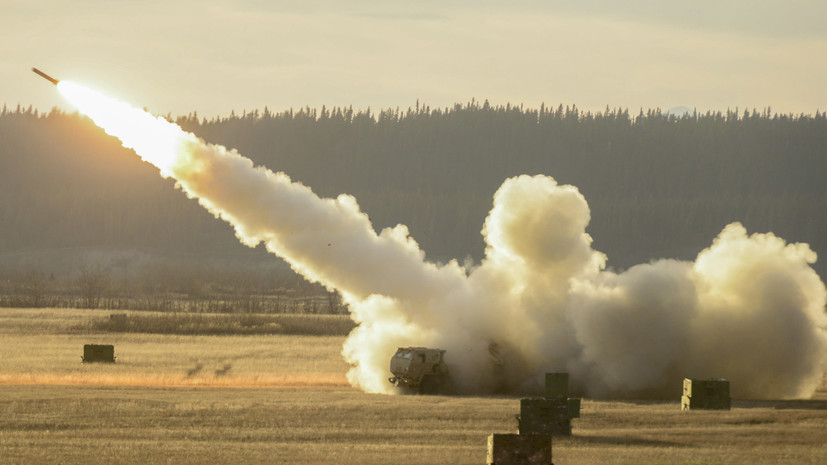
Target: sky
<point x="214" y="56"/>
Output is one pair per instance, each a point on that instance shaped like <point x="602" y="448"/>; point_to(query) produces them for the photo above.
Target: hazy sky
<point x="215" y="56"/>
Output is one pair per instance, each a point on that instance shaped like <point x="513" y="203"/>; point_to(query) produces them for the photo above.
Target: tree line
<point x="659" y="185"/>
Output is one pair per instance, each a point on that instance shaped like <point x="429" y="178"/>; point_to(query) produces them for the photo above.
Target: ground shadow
<point x="794" y="404"/>
<point x="797" y="404"/>
<point x="648" y="402"/>
<point x="620" y="441"/>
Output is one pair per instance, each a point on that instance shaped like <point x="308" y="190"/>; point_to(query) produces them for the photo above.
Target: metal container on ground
<point x="705" y="394"/>
<point x="102" y="353"/>
<point x="574" y="407"/>
<point x="540" y="415"/>
<point x="551" y="414"/>
<point x="557" y="385"/>
<point x="519" y="449"/>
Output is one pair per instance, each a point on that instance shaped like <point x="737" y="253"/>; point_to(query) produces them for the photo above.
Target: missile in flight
<point x="45" y="76"/>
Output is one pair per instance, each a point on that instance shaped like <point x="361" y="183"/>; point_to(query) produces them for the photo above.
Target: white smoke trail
<point x="750" y="308"/>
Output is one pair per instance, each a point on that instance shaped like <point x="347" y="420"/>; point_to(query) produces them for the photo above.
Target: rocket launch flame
<point x="750" y="308"/>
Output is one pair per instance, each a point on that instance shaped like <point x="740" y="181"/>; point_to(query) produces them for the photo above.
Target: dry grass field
<point x="283" y="399"/>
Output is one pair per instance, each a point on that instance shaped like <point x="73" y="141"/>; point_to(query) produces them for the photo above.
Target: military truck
<point x="420" y="370"/>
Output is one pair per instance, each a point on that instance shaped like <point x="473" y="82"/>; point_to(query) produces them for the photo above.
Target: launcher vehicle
<point x="420" y="370"/>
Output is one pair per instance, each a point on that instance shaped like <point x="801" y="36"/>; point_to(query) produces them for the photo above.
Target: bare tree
<point x="35" y="284"/>
<point x="93" y="282"/>
<point x="335" y="304"/>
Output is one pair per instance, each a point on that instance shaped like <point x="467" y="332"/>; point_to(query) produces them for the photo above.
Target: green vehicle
<point x="420" y="370"/>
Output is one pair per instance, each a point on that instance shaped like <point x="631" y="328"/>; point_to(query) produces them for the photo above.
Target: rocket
<point x="45" y="76"/>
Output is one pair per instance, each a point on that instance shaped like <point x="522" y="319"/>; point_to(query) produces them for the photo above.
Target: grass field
<point x="283" y="399"/>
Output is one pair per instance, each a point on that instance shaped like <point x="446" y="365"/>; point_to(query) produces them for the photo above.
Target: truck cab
<point x="419" y="369"/>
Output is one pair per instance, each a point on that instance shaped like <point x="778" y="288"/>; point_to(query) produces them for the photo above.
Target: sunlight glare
<point x="155" y="139"/>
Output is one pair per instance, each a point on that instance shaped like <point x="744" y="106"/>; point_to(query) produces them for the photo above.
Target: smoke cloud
<point x="750" y="308"/>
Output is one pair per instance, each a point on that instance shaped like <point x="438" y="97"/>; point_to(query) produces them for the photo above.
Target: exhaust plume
<point x="750" y="308"/>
